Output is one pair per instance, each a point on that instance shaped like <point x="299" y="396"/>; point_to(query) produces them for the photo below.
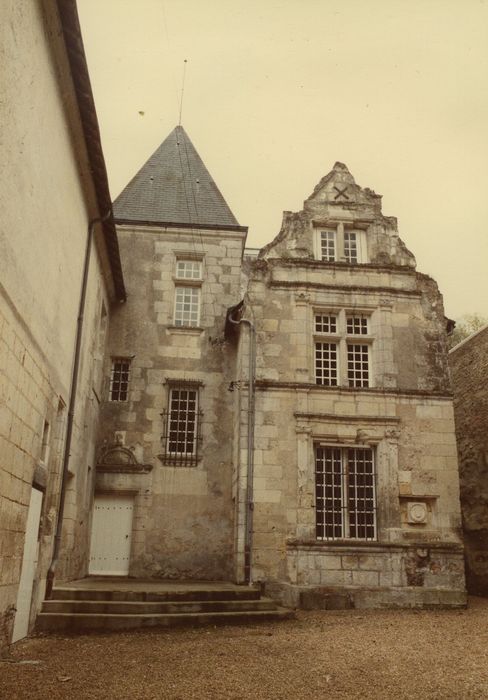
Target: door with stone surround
<point x="111" y="535"/>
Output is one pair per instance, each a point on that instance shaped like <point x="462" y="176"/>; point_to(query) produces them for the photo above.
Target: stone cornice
<point x="338" y="265"/>
<point x="296" y="284"/>
<point x="365" y="391"/>
<point x="341" y="418"/>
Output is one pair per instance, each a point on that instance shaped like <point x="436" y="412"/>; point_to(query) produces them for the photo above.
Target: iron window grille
<point x="345" y="493"/>
<point x="119" y="379"/>
<point x="182" y="422"/>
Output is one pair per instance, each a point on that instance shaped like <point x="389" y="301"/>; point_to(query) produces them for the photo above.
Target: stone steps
<point x="91" y="606"/>
<point x="101" y="607"/>
<point x="120" y="594"/>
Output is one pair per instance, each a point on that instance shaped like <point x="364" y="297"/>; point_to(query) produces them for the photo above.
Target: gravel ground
<point x="340" y="654"/>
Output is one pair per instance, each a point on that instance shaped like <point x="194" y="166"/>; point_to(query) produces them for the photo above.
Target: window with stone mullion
<point x="339" y="359"/>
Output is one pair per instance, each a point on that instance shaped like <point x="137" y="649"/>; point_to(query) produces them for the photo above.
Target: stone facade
<point x="183" y="509"/>
<point x="469" y="371"/>
<point x="243" y="500"/>
<point x="282" y="418"/>
<point x="402" y="414"/>
<point x="47" y="198"/>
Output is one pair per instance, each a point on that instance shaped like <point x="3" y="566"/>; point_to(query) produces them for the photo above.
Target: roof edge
<point x="73" y="41"/>
<point x="469" y="338"/>
<point x="172" y="224"/>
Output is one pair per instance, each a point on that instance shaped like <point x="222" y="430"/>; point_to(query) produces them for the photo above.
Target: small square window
<point x="357" y="325"/>
<point x="189" y="269"/>
<point x="325" y="323"/>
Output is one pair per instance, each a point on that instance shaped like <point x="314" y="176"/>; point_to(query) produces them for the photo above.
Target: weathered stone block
<point x="365" y="578"/>
<point x="350" y="561"/>
<point x="324" y="599"/>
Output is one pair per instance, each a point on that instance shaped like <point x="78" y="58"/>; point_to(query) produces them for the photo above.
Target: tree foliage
<point x="465" y="326"/>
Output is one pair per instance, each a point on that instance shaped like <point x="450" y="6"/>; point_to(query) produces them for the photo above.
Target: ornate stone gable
<point x="341" y="223"/>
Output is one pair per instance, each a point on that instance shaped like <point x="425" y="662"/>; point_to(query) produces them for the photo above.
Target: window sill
<point x="188" y="281"/>
<point x="189" y="330"/>
<point x="328" y="544"/>
<point x="343" y="386"/>
<point x="179" y="462"/>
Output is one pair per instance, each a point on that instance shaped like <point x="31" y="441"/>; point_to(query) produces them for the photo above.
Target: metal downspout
<point x="71" y="408"/>
<point x="250" y="449"/>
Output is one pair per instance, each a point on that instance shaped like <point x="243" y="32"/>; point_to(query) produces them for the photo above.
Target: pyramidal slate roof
<point x="174" y="187"/>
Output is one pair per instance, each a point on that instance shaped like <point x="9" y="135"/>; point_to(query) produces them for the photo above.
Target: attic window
<point x="328" y="246"/>
<point x="341" y="245"/>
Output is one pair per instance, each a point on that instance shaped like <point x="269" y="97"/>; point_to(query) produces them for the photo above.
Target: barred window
<point x="189" y="269"/>
<point x="357" y="325"/>
<point x="351" y="246"/>
<point x="119" y="379"/>
<point x="345" y="493"/>
<point x="328" y="246"/>
<point x="358" y="365"/>
<point x="326" y="366"/>
<point x="187" y="306"/>
<point x="182" y="421"/>
<point x="181" y="436"/>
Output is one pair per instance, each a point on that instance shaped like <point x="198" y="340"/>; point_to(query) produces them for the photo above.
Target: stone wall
<point x="469" y="371"/>
<point x="33" y="395"/>
<point x="47" y="198"/>
<point x="184" y="519"/>
<point x="404" y="416"/>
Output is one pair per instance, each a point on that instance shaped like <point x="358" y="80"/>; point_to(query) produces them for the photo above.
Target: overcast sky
<point x="276" y="91"/>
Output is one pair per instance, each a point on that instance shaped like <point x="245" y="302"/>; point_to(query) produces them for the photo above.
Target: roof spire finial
<point x="182" y="90"/>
